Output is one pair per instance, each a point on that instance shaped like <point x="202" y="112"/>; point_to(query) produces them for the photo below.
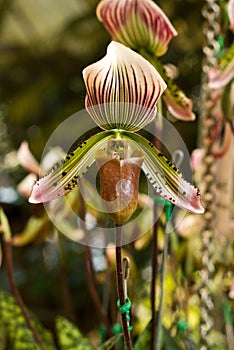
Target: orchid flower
<point x="143" y="26"/>
<point x="122" y="91"/>
<point x="137" y="24"/>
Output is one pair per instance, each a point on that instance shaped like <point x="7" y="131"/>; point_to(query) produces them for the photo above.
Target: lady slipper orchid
<point x="122" y="91"/>
<point x="137" y="24"/>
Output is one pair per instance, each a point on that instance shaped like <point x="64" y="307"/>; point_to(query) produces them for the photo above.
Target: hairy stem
<point x="18" y="298"/>
<point x="119" y="271"/>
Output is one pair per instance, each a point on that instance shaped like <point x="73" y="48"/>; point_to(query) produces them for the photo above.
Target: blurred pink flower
<point x="137" y="24"/>
<point x="189" y="225"/>
<point x="231" y="291"/>
<point x="223" y="73"/>
<point x="27" y="160"/>
<point x="221" y="132"/>
<point x="196" y="159"/>
<point x="230" y="9"/>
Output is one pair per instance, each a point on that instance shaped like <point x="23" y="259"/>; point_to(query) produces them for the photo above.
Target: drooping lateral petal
<point x="165" y="177"/>
<point x="224" y="72"/>
<point x="65" y="175"/>
<point x="178" y="104"/>
<point x="122" y="89"/>
<point x="137" y="23"/>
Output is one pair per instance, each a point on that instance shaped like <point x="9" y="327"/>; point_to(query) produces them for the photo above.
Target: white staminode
<point x="122" y="89"/>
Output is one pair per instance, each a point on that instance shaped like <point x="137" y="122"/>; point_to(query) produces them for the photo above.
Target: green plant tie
<point x="227" y="314"/>
<point x="182" y="327"/>
<point x="220" y="41"/>
<point x="116" y="328"/>
<point x="103" y="333"/>
<point x="168" y="206"/>
<point x="125" y="309"/>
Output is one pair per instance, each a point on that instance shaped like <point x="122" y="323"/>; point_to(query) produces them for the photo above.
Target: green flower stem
<point x="154" y="259"/>
<point x="154" y="61"/>
<point x="18" y="298"/>
<point x="163" y="275"/>
<point x="154" y="263"/>
<point x="119" y="270"/>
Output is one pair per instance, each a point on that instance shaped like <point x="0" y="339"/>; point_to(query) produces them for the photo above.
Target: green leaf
<point x="18" y="333"/>
<point x="108" y="345"/>
<point x="35" y="226"/>
<point x="165" y="177"/>
<point x="143" y="341"/>
<point x="70" y="337"/>
<point x="4" y="225"/>
<point x="3" y="336"/>
<point x="167" y="342"/>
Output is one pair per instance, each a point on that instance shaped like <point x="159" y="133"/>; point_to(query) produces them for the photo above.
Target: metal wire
<point x="211" y="29"/>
